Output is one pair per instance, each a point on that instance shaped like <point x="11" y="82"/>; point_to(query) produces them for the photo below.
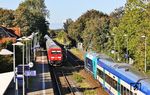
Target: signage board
<point x="20" y="67"/>
<point x="19" y="77"/>
<point x="30" y="73"/>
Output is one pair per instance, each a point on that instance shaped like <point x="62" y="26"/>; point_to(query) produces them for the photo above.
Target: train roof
<point x="47" y="37"/>
<point x="127" y="73"/>
<point x="122" y="70"/>
<point x="92" y="55"/>
<point x="51" y="44"/>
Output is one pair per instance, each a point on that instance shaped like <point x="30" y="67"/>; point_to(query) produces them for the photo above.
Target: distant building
<point x="9" y="34"/>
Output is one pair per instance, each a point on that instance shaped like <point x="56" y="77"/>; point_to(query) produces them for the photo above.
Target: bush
<point x="78" y="78"/>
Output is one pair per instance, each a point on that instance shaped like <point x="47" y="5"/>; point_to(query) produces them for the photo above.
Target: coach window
<point x="125" y="91"/>
<point x="88" y="61"/>
<point x="118" y="87"/>
<point x="107" y="79"/>
<point x="131" y="93"/>
<point x="111" y="82"/>
<point x="128" y="92"/>
<point x="122" y="90"/>
<point x="100" y="73"/>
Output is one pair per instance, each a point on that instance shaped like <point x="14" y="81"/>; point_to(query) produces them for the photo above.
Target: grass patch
<point x="78" y="78"/>
<point x="58" y="40"/>
<point x="89" y="92"/>
<point x="78" y="53"/>
<point x="82" y="84"/>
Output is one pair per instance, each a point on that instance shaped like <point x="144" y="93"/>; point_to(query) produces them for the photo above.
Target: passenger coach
<point x="116" y="78"/>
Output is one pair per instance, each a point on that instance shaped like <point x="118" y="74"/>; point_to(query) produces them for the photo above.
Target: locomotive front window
<point x="56" y="52"/>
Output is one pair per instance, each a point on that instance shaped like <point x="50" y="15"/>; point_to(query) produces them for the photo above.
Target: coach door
<point x="95" y="67"/>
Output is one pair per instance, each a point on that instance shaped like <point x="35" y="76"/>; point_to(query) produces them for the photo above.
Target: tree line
<point x="30" y="16"/>
<point x="124" y="31"/>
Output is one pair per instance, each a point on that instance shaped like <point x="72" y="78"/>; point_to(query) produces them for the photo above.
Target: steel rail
<point x="57" y="83"/>
<point x="68" y="84"/>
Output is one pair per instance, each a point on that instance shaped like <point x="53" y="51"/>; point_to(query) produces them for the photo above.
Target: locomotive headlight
<point x="59" y="57"/>
<point x="52" y="57"/>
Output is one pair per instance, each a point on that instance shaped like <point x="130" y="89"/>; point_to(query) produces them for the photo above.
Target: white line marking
<point x="43" y="77"/>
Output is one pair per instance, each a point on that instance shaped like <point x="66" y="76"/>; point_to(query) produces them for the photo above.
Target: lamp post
<point x="127" y="54"/>
<point x="34" y="43"/>
<point x="108" y="37"/>
<point x="27" y="57"/>
<point x="23" y="72"/>
<point x="19" y="44"/>
<point x="26" y="39"/>
<point x="114" y="51"/>
<point x="30" y="45"/>
<point x="16" y="44"/>
<point x="145" y="63"/>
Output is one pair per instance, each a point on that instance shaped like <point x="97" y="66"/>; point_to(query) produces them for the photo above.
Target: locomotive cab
<point x="55" y="56"/>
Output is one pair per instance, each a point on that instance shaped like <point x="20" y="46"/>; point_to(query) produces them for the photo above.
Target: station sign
<point x="20" y="67"/>
<point x="19" y="77"/>
<point x="30" y="73"/>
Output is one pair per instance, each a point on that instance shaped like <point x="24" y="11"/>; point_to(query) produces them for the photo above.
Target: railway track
<point x="56" y="82"/>
<point x="72" y="64"/>
<point x="95" y="84"/>
<point x="67" y="83"/>
<point x="63" y="85"/>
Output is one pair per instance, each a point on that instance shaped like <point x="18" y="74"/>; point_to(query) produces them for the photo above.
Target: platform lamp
<point x="21" y="44"/>
<point x="26" y="39"/>
<point x="127" y="53"/>
<point x="30" y="45"/>
<point x="145" y="60"/>
<point x="114" y="47"/>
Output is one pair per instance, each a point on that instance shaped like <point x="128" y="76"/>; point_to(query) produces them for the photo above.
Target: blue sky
<point x="60" y="10"/>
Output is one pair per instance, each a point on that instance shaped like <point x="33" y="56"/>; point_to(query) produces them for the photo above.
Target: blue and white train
<point x="116" y="78"/>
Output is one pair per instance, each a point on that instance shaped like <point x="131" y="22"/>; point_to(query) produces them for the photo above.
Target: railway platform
<point x="42" y="83"/>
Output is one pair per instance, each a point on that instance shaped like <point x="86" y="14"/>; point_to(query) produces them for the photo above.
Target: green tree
<point x="52" y="33"/>
<point x="95" y="34"/>
<point x="63" y="37"/>
<point x="77" y="29"/>
<point x="31" y="15"/>
<point x="74" y="31"/>
<point x="134" y="23"/>
<point x="66" y="24"/>
<point x="6" y="17"/>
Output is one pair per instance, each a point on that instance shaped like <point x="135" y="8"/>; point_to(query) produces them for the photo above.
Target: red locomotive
<point x="54" y="52"/>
